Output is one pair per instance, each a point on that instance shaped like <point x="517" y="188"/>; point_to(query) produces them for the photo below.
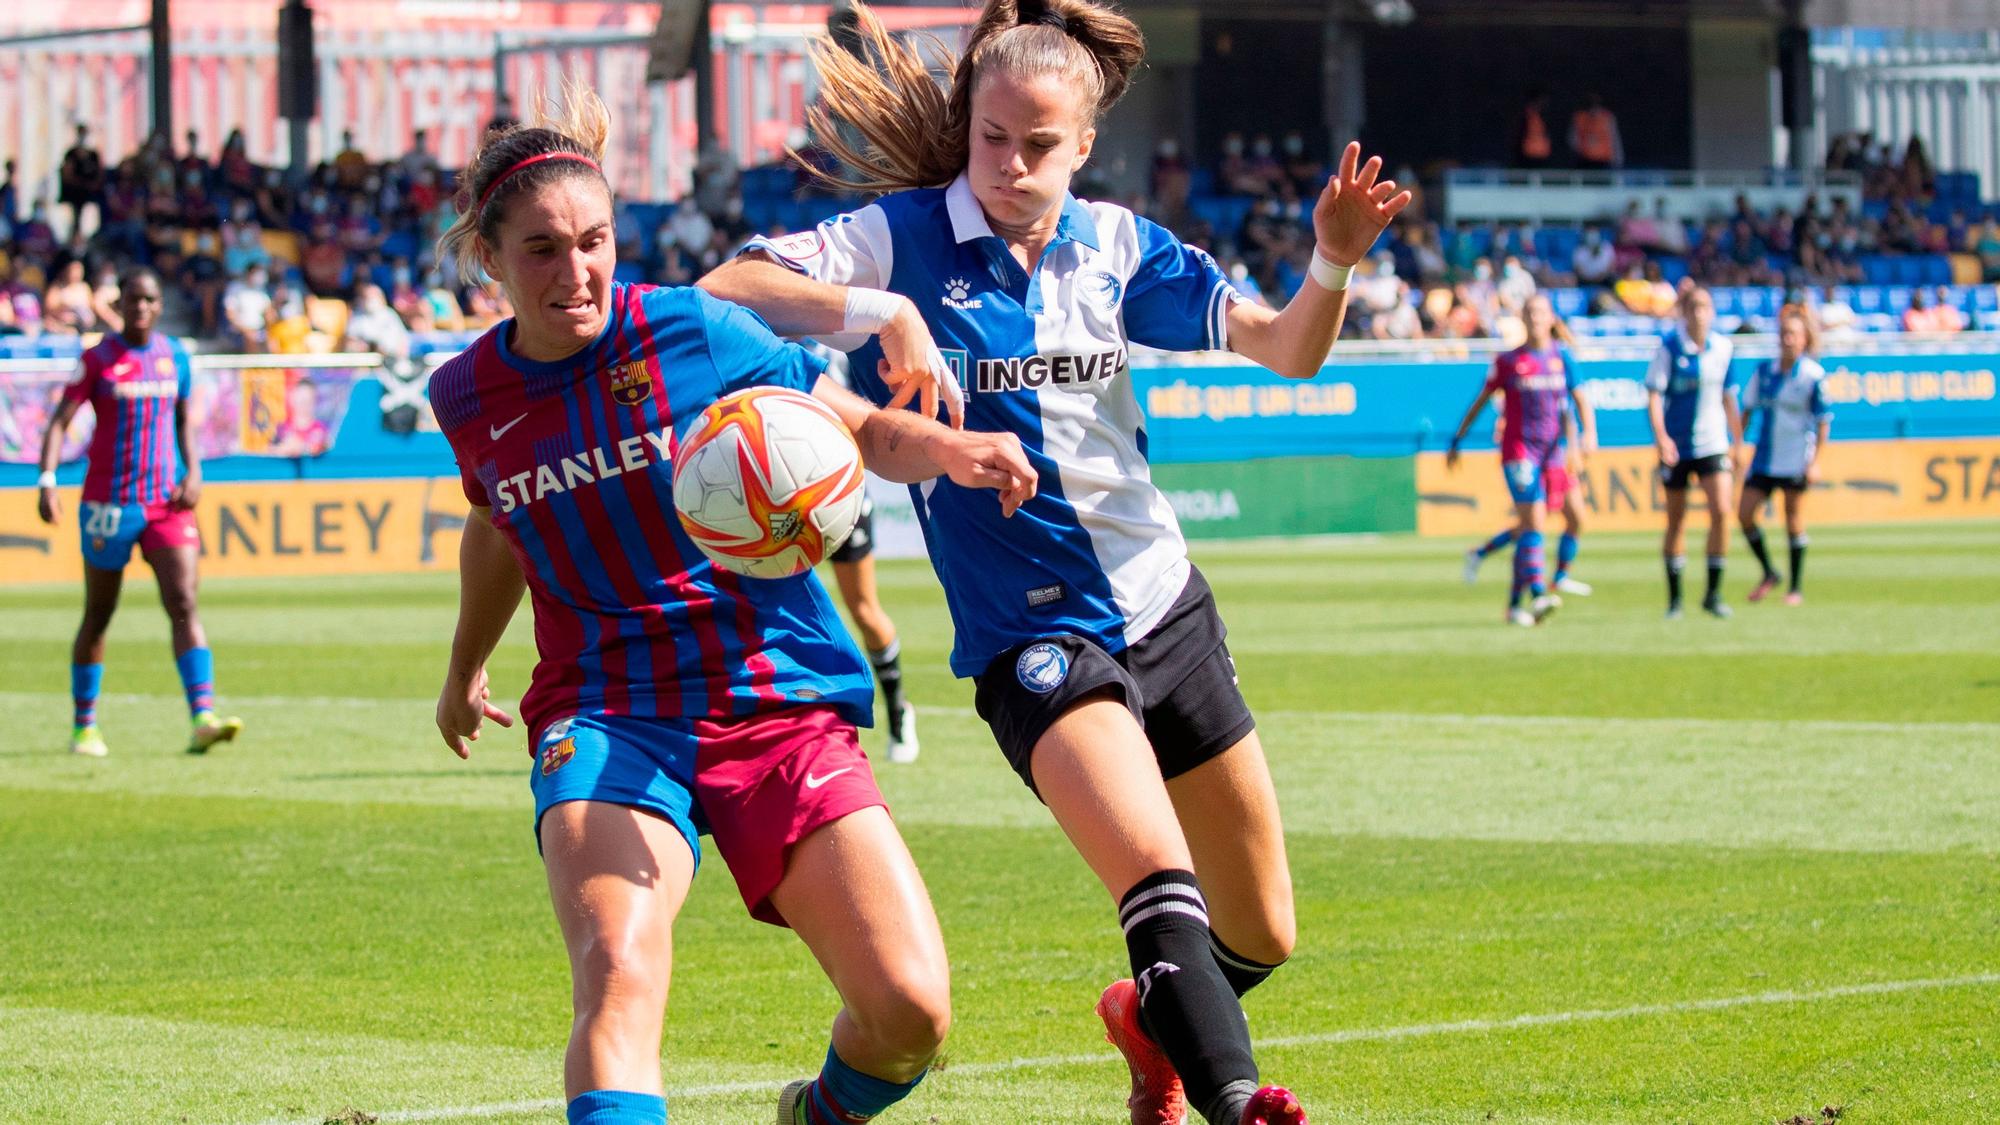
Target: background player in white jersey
<point x="1098" y="652"/>
<point x="1787" y="398"/>
<point x="1691" y="402"/>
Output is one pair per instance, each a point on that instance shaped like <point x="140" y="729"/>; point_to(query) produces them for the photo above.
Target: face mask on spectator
<point x="1260" y="147"/>
<point x="1238" y="271"/>
<point x="241" y="211"/>
<point x="205" y="244"/>
<point x="1483" y="272"/>
<point x="1232" y="146"/>
<point x="400" y="275"/>
<point x="1170" y="148"/>
<point x="318" y="205"/>
<point x="1294" y="144"/>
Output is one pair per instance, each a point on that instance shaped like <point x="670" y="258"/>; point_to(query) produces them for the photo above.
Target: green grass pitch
<point x="1615" y="869"/>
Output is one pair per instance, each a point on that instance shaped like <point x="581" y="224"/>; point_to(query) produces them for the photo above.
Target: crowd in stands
<point x="346" y="259"/>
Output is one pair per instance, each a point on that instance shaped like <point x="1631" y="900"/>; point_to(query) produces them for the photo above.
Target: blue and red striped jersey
<point x="574" y="460"/>
<point x="1537" y="386"/>
<point x="133" y="458"/>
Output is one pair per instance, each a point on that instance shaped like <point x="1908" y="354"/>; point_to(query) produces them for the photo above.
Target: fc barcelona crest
<point x="632" y="384"/>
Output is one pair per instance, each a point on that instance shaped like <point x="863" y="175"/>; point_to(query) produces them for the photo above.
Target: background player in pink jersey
<point x="672" y="698"/>
<point x="140" y="489"/>
<point x="1535" y="382"/>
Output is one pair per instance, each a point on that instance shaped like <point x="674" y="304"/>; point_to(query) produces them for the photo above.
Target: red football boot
<point x="1274" y="1105"/>
<point x="1157" y="1097"/>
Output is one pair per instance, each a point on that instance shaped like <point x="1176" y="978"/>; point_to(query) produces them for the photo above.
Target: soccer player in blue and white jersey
<point x="1691" y="402"/>
<point x="672" y="698"/>
<point x="140" y="490"/>
<point x="1098" y="653"/>
<point x="1790" y="404"/>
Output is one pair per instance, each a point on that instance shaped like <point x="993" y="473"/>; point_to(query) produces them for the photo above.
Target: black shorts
<point x="1178" y="681"/>
<point x="860" y="543"/>
<point x="1674" y="478"/>
<point x="1767" y="484"/>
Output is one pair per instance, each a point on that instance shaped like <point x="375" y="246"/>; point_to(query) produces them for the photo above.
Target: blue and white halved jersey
<point x="1793" y="406"/>
<point x="1691" y="385"/>
<point x="1043" y="354"/>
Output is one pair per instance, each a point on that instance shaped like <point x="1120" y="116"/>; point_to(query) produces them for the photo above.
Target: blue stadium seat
<point x="1755" y="301"/>
<point x="1986" y="298"/>
<point x="1726" y="303"/>
<point x="1937" y="269"/>
<point x="1867" y="299"/>
<point x="401" y="243"/>
<point x="1989" y="321"/>
<point x="1673" y="267"/>
<point x="1878" y="322"/>
<point x="1844" y="294"/>
<point x="1895" y="299"/>
<point x="1569" y="303"/>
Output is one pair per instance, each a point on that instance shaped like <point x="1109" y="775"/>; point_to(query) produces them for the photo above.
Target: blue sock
<point x="84" y="681"/>
<point x="1495" y="543"/>
<point x="843" y="1095"/>
<point x="617" y="1107"/>
<point x="1565" y="555"/>
<point x="197" y="668"/>
<point x="1528" y="563"/>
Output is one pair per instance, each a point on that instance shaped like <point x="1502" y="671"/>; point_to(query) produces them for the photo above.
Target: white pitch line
<point x="1324" y="1038"/>
<point x="1855" y="726"/>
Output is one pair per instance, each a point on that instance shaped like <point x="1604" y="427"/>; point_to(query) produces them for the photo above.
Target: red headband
<point x="537" y="159"/>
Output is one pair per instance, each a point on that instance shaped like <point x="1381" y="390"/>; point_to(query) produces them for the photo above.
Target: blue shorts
<point x="1525" y="479"/>
<point x="111" y="530"/>
<point x="757" y="784"/>
<point x="645" y="763"/>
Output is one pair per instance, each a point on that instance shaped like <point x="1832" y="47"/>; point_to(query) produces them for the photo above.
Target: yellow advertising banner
<point x="1860" y="482"/>
<point x="267" y="529"/>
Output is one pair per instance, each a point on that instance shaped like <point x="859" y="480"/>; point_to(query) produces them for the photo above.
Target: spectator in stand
<point x="1515" y="286"/>
<point x="1481" y="294"/>
<point x="198" y="210"/>
<point x="1425" y="251"/>
<point x="441" y="306"/>
<point x="35" y="239"/>
<point x="104" y="299"/>
<point x="1638" y="232"/>
<point x="374" y="327"/>
<point x="1533" y="146"/>
<point x="10" y="195"/>
<point x="1919" y="178"/>
<point x="1836" y="317"/>
<point x="1595" y="260"/>
<point x="1305" y="175"/>
<point x="23" y="312"/>
<point x="1169" y="170"/>
<point x="1263" y="164"/>
<point x="1461" y="321"/>
<point x="1945" y="315"/>
<point x="80" y="179"/>
<point x="236" y="177"/>
<point x="243" y="240"/>
<point x="1644" y="292"/>
<point x="487" y="305"/>
<point x="1593" y="135"/>
<point x="503" y="115"/>
<point x="1245" y="285"/>
<point x="122" y="217"/>
<point x="202" y="275"/>
<point x="418" y="162"/>
<point x="1746" y="253"/>
<point x="1920" y="316"/>
<point x="1375" y="295"/>
<point x="350" y="164"/>
<point x="717" y="180"/>
<point x="246" y="306"/>
<point x="1234" y="173"/>
<point x="324" y="262"/>
<point x="69" y="307"/>
<point x="690" y="229"/>
<point x="1778" y="234"/>
<point x="288" y="324"/>
<point x="1400" y="321"/>
<point x="1985" y="244"/>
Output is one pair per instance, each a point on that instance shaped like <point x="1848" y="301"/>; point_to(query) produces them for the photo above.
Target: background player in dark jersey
<point x="672" y="697"/>
<point x="140" y="490"/>
<point x="1535" y="382"/>
<point x="1788" y="400"/>
<point x="854" y="576"/>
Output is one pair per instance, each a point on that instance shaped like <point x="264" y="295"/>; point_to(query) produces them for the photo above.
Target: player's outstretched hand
<point x="983" y="460"/>
<point x="1670" y="454"/>
<point x="1355" y="208"/>
<point x="463" y="705"/>
<point x="48" y="505"/>
<point x="913" y="368"/>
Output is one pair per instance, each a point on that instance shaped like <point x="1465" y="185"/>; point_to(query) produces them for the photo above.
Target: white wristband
<point x="869" y="309"/>
<point x="1330" y="277"/>
<point x="46" y="480"/>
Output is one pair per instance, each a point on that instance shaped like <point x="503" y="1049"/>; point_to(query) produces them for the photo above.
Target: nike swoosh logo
<point x="815" y="782"/>
<point x="497" y="431"/>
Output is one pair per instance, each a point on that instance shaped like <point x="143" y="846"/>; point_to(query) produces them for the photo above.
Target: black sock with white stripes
<point x="888" y="665"/>
<point x="1241" y="972"/>
<point x="1185" y="1001"/>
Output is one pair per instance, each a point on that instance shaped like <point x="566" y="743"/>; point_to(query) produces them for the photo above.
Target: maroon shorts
<point x="1555" y="479"/>
<point x="764" y="783"/>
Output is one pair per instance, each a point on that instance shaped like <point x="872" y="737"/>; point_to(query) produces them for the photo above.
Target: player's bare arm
<point x="489" y="591"/>
<point x="906" y="448"/>
<point x="1352" y="211"/>
<point x="795" y="305"/>
<point x="47" y="503"/>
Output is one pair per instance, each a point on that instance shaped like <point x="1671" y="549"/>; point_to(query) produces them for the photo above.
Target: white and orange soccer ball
<point x="768" y="482"/>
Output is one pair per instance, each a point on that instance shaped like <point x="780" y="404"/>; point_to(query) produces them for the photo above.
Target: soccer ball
<point x="768" y="482"/>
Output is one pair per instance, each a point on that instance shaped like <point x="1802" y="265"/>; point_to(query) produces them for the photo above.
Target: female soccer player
<point x="1096" y="647"/>
<point x="1560" y="488"/>
<point x="1535" y="382"/>
<point x="1796" y="418"/>
<point x="141" y="487"/>
<point x="1691" y="402"/>
<point x="672" y="697"/>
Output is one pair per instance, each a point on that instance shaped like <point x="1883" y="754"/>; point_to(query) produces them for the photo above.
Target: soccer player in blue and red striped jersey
<point x="672" y="698"/>
<point x="1534" y="380"/>
<point x="140" y="489"/>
